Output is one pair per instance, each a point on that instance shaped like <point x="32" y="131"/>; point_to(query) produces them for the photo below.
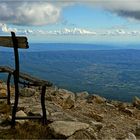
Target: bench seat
<point x="20" y="42"/>
<point x="26" y="77"/>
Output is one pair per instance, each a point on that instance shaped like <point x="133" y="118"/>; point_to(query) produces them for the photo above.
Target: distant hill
<point x="71" y="46"/>
<point x="66" y="47"/>
<point x="114" y="74"/>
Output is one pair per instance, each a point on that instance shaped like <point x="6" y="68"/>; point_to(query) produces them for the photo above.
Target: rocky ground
<point x="76" y="115"/>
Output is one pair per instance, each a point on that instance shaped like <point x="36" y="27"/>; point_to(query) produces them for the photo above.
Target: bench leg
<point x="8" y="89"/>
<point x="16" y="102"/>
<point x="44" y="121"/>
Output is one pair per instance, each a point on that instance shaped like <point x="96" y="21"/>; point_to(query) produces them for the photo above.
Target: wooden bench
<point x="21" y="78"/>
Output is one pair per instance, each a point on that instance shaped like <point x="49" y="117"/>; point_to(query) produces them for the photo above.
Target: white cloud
<point x="29" y="13"/>
<point x="4" y="28"/>
<point x="134" y="33"/>
<point x="65" y="31"/>
<point x="121" y="32"/>
<point x="77" y="31"/>
<point x="125" y="8"/>
<point x="71" y="31"/>
<point x="37" y="12"/>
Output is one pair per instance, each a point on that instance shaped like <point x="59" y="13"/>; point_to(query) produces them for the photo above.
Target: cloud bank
<point x="66" y="31"/>
<point x="29" y="13"/>
<point x="36" y="12"/>
<point x="125" y="8"/>
<point x="71" y="31"/>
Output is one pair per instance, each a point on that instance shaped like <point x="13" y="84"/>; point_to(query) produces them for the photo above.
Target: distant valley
<point x="114" y="74"/>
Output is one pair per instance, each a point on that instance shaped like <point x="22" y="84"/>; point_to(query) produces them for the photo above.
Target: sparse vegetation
<point x="4" y="108"/>
<point x="90" y="117"/>
<point x="29" y="130"/>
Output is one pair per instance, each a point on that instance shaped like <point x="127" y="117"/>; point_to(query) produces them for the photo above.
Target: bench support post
<point x="20" y="42"/>
<point x="16" y="77"/>
<point x="15" y="104"/>
<point x="44" y="121"/>
<point x="8" y="89"/>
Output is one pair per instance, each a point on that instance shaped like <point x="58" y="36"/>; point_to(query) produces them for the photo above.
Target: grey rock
<point x="62" y="97"/>
<point x="110" y="105"/>
<point x="27" y="92"/>
<point x="129" y="111"/>
<point x="97" y="125"/>
<point x="122" y="106"/>
<point x="65" y="129"/>
<point x="68" y="103"/>
<point x="1" y="121"/>
<point x="5" y="127"/>
<point x="87" y="134"/>
<point x="64" y="94"/>
<point x="51" y="93"/>
<point x="111" y="138"/>
<point x="96" y="99"/>
<point x="21" y="114"/>
<point x="53" y="107"/>
<point x="35" y="112"/>
<point x="61" y="116"/>
<point x="136" y="102"/>
<point x="97" y="117"/>
<point x="138" y="129"/>
<point x="82" y="95"/>
<point x="130" y="136"/>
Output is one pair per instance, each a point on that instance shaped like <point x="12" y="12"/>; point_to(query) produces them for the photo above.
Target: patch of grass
<point x="4" y="108"/>
<point x="28" y="130"/>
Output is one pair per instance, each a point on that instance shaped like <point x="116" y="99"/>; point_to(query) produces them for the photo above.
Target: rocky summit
<point x="75" y="115"/>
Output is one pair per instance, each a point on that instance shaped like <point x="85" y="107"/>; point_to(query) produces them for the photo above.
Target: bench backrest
<point x="15" y="43"/>
<point x="8" y="42"/>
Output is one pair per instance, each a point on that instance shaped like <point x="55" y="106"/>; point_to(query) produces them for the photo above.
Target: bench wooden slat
<point x="28" y="117"/>
<point x="21" y="42"/>
<point x="5" y="97"/>
<point x="7" y="42"/>
<point x="26" y="77"/>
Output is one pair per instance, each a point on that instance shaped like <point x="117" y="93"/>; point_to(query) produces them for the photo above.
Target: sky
<point x="72" y="21"/>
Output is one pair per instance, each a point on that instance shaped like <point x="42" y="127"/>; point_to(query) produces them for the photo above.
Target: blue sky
<point x="82" y="21"/>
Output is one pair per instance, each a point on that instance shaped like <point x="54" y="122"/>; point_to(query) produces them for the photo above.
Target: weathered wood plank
<point x="26" y="77"/>
<point x="7" y="42"/>
<point x="28" y="117"/>
<point x="5" y="97"/>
